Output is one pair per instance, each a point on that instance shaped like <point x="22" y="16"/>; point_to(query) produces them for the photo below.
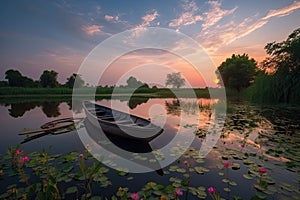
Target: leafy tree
<point x="49" y="79"/>
<point x="237" y="72"/>
<point x="71" y="81"/>
<point x="175" y="80"/>
<point x="284" y="57"/>
<point x="280" y="82"/>
<point x="16" y="79"/>
<point x="132" y="82"/>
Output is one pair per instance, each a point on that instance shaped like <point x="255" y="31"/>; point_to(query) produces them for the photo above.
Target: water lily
<point x="186" y="163"/>
<point x="262" y="170"/>
<point x="135" y="196"/>
<point x="19" y="152"/>
<point x="211" y="190"/>
<point x="25" y="159"/>
<point x="178" y="192"/>
<point x="226" y="164"/>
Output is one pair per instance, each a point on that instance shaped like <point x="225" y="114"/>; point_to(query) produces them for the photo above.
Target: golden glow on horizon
<point x="152" y="67"/>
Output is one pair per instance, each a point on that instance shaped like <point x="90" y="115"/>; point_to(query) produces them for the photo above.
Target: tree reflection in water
<point x="18" y="109"/>
<point x="50" y="109"/>
<point x="134" y="102"/>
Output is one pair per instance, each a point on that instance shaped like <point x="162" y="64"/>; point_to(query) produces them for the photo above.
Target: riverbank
<point x="9" y="92"/>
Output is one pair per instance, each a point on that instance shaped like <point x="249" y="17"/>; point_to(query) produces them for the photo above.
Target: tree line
<point x="275" y="80"/>
<point x="48" y="79"/>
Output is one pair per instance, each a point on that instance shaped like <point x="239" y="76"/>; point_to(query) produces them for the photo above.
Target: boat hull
<point x="121" y="124"/>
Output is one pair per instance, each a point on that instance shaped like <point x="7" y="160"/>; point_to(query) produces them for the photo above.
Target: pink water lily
<point x="211" y="190"/>
<point x="135" y="196"/>
<point x="25" y="159"/>
<point x="19" y="152"/>
<point x="178" y="192"/>
<point x="226" y="164"/>
<point x="262" y="170"/>
<point x="185" y="162"/>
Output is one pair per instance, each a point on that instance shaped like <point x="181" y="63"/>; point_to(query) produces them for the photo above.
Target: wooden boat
<point x="121" y="124"/>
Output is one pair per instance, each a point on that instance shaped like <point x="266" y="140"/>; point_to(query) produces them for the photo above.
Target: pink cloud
<point x="215" y="14"/>
<point x="111" y="18"/>
<point x="215" y="37"/>
<point x="188" y="17"/>
<point x="92" y="29"/>
<point x="185" y="19"/>
<point x="283" y="12"/>
<point x="148" y="18"/>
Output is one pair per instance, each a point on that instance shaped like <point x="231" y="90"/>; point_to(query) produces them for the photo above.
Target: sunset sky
<point x="58" y="35"/>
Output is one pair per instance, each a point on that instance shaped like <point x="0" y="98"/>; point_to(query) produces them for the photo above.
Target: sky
<point x="59" y="35"/>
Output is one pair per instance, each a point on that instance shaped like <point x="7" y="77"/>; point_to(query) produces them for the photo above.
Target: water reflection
<point x="173" y="107"/>
<point x="49" y="108"/>
<point x="126" y="149"/>
<point x="134" y="102"/>
<point x="18" y="109"/>
<point x="191" y="107"/>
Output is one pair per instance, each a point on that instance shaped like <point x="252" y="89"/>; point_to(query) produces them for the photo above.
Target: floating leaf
<point x="233" y="183"/>
<point x="247" y="176"/>
<point x="72" y="190"/>
<point x="235" y="166"/>
<point x="201" y="170"/>
<point x="225" y="180"/>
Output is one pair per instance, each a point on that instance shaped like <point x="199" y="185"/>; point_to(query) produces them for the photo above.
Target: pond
<point x="254" y="155"/>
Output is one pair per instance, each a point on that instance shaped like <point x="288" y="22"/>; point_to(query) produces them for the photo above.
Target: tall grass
<point x="275" y="88"/>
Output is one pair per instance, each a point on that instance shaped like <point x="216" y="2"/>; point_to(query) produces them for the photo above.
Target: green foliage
<point x="132" y="82"/>
<point x="175" y="80"/>
<point x="237" y="72"/>
<point x="74" y="81"/>
<point x="16" y="79"/>
<point x="49" y="79"/>
<point x="282" y="83"/>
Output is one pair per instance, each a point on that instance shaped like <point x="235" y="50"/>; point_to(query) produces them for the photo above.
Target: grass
<point x="105" y="92"/>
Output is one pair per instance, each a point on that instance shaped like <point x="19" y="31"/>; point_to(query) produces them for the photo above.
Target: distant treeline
<point x="48" y="79"/>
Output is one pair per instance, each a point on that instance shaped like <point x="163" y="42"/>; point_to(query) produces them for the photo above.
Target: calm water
<point x="268" y="136"/>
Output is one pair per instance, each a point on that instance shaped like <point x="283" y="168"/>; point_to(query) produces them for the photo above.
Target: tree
<point x="49" y="79"/>
<point x="72" y="83"/>
<point x="175" y="80"/>
<point x="132" y="82"/>
<point x="16" y="79"/>
<point x="284" y="57"/>
<point x="237" y="72"/>
<point x="280" y="82"/>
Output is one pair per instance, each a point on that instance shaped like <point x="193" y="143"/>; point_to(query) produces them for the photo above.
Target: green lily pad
<point x="247" y="176"/>
<point x="72" y="190"/>
<point x="235" y="166"/>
